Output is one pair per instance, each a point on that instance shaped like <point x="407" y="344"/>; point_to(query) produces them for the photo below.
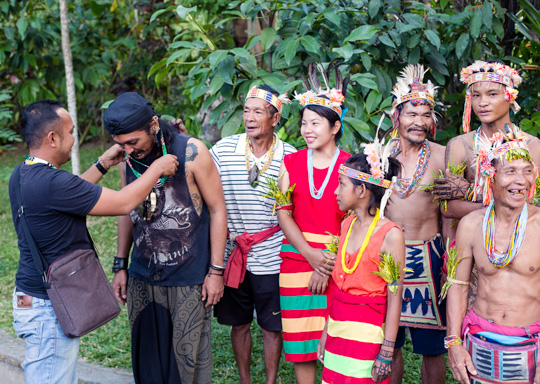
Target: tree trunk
<point x="70" y="86"/>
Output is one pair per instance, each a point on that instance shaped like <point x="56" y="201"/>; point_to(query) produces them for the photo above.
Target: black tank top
<point x="173" y="247"/>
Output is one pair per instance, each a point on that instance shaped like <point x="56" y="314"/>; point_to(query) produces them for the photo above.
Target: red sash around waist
<point x="236" y="266"/>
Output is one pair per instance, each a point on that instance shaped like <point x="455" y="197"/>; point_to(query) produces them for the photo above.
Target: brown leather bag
<point x="78" y="288"/>
<point x="80" y="293"/>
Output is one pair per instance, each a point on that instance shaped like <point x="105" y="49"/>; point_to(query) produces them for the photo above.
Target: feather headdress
<point x="494" y="72"/>
<point x="410" y="87"/>
<point x="334" y="97"/>
<point x="511" y="146"/>
<point x="276" y="101"/>
<point x="377" y="158"/>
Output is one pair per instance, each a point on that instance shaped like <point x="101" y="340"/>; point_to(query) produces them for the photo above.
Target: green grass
<point x="110" y="344"/>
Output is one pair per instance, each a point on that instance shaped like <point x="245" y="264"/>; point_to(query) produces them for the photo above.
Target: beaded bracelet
<point x="452" y="340"/>
<point x="383" y="360"/>
<point x="470" y="193"/>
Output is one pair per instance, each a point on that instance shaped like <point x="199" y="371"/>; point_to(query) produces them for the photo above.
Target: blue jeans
<point x="51" y="357"/>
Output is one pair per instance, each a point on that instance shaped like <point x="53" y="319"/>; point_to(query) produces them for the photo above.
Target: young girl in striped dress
<point x="358" y="340"/>
<point x="313" y="213"/>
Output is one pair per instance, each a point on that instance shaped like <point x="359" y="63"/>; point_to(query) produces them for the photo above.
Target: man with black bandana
<point x="178" y="236"/>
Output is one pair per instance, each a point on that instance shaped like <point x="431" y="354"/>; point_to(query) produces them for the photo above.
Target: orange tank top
<point x="361" y="282"/>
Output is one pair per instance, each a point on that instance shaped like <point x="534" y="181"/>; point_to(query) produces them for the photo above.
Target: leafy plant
<point x="372" y="41"/>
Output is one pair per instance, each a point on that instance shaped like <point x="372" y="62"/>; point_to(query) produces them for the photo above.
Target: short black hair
<point x="273" y="110"/>
<point x="37" y="119"/>
<point x="359" y="163"/>
<point x="327" y="113"/>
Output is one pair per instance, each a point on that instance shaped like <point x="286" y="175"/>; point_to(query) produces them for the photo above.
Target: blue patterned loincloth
<point x="422" y="286"/>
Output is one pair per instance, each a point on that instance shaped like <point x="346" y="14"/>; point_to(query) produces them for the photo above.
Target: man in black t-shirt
<point x="55" y="207"/>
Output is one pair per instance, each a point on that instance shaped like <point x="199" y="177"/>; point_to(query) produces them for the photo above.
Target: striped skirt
<point x="355" y="335"/>
<point x="303" y="314"/>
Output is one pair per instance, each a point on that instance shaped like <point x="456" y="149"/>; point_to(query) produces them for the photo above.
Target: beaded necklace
<point x="31" y="160"/>
<point x="318" y="194"/>
<point x="362" y="248"/>
<point x="253" y="171"/>
<point x="404" y="187"/>
<point x="498" y="259"/>
<point x="137" y="174"/>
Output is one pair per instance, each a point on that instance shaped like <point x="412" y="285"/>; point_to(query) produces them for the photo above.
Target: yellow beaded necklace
<point x="362" y="248"/>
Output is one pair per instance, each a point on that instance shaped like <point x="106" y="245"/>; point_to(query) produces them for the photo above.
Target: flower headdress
<point x="334" y="97"/>
<point x="511" y="146"/>
<point x="276" y="101"/>
<point x="377" y="159"/>
<point x="410" y="87"/>
<point x="494" y="72"/>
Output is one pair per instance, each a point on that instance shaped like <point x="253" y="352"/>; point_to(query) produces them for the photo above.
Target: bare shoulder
<point x="460" y="140"/>
<point x="194" y="149"/>
<point x="472" y="221"/>
<point x="532" y="141"/>
<point x="534" y="216"/>
<point x="395" y="234"/>
<point x="437" y="154"/>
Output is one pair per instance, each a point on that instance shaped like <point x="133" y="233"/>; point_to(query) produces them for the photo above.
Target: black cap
<point x="129" y="112"/>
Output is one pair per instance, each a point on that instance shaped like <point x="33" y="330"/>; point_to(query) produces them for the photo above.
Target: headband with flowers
<point x="315" y="94"/>
<point x="511" y="146"/>
<point x="333" y="101"/>
<point x="493" y="72"/>
<point x="276" y="101"/>
<point x="410" y="87"/>
<point x="377" y="158"/>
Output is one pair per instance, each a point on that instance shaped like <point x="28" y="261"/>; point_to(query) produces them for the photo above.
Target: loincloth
<point x="422" y="286"/>
<point x="500" y="354"/>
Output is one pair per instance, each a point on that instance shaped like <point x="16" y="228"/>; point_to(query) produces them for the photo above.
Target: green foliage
<point x="7" y="135"/>
<point x="528" y="50"/>
<point x="295" y="33"/>
<point x="113" y="46"/>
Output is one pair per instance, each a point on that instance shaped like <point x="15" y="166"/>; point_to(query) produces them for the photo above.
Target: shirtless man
<point x="491" y="92"/>
<point x="418" y="215"/>
<point x="502" y="240"/>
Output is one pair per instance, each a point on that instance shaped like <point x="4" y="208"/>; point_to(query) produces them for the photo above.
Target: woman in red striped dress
<point x="358" y="341"/>
<point x="306" y="267"/>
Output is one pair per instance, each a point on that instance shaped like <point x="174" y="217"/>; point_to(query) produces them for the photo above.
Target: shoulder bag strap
<point x="39" y="260"/>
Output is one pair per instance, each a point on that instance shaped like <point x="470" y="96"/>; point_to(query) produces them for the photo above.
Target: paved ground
<point x="12" y="356"/>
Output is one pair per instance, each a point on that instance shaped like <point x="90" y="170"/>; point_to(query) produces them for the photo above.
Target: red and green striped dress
<point x="304" y="314"/>
<point x="356" y="322"/>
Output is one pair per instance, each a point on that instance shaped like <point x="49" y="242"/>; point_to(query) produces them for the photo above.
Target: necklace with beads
<point x="253" y="171"/>
<point x="318" y="193"/>
<point x="500" y="259"/>
<point x="362" y="248"/>
<point x="137" y="174"/>
<point x="404" y="187"/>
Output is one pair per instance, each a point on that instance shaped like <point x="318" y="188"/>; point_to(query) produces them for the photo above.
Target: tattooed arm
<point x="199" y="163"/>
<point x="454" y="187"/>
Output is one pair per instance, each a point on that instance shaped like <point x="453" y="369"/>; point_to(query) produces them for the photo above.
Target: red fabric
<point x="312" y="215"/>
<point x="236" y="266"/>
<point x="347" y="307"/>
<point x="362" y="282"/>
<point x="478" y="324"/>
